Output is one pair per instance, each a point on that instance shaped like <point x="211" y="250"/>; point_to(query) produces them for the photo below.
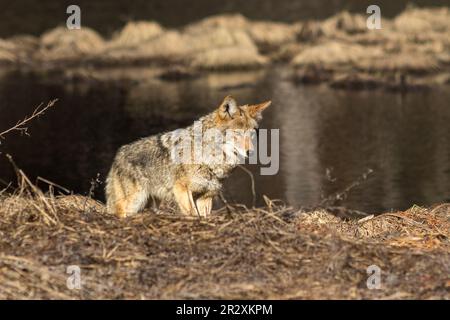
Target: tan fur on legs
<point x="115" y="197"/>
<point x="125" y="197"/>
<point x="194" y="209"/>
<point x="180" y="192"/>
<point x="204" y="206"/>
<point x="184" y="199"/>
<point x="120" y="209"/>
<point x="133" y="203"/>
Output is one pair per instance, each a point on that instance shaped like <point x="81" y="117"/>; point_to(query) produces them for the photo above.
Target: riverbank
<point x="275" y="252"/>
<point x="411" y="51"/>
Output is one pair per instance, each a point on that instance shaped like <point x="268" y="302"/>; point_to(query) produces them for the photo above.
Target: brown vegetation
<point x="276" y="252"/>
<point x="414" y="44"/>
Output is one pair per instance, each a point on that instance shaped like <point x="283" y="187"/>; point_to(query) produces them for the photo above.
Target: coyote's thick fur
<point x="146" y="168"/>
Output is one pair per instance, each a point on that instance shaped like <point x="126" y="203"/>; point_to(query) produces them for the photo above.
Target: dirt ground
<point x="275" y="252"/>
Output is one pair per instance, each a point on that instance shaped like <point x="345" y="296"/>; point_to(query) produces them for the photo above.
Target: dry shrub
<point x="334" y="53"/>
<point x="62" y="44"/>
<point x="265" y="35"/>
<point x="167" y="47"/>
<point x="216" y="48"/>
<point x="269" y="36"/>
<point x="415" y="20"/>
<point x="136" y="32"/>
<point x="7" y="52"/>
<point x="339" y="41"/>
<point x="227" y="21"/>
<point x="414" y="62"/>
<point x="18" y="49"/>
<point x="228" y="59"/>
<point x="344" y="22"/>
<point x="215" y="38"/>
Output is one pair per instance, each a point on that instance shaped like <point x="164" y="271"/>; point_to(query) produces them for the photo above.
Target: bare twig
<point x="50" y="183"/>
<point x="94" y="184"/>
<point x="2" y="191"/>
<point x="225" y="202"/>
<point x="253" y="184"/>
<point x="341" y="195"/>
<point x="21" y="124"/>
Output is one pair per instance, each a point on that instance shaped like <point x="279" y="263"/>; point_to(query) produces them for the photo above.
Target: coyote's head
<point x="240" y="120"/>
<point x="230" y="115"/>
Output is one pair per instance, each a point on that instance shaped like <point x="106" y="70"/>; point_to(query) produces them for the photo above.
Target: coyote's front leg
<point x="184" y="199"/>
<point x="204" y="206"/>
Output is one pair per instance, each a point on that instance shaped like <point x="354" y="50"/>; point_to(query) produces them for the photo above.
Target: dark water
<point x="404" y="139"/>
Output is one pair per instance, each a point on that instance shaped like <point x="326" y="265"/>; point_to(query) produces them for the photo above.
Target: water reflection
<point x="404" y="139"/>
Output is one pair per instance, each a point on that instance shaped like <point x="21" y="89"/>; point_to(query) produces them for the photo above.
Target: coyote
<point x="148" y="168"/>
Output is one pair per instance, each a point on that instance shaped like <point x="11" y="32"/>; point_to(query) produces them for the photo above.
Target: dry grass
<point x="275" y="252"/>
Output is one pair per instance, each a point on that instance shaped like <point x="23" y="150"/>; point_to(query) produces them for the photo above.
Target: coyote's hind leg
<point x="125" y="197"/>
<point x="133" y="202"/>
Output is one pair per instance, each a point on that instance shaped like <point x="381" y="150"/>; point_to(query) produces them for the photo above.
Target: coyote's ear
<point x="228" y="108"/>
<point x="255" y="110"/>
